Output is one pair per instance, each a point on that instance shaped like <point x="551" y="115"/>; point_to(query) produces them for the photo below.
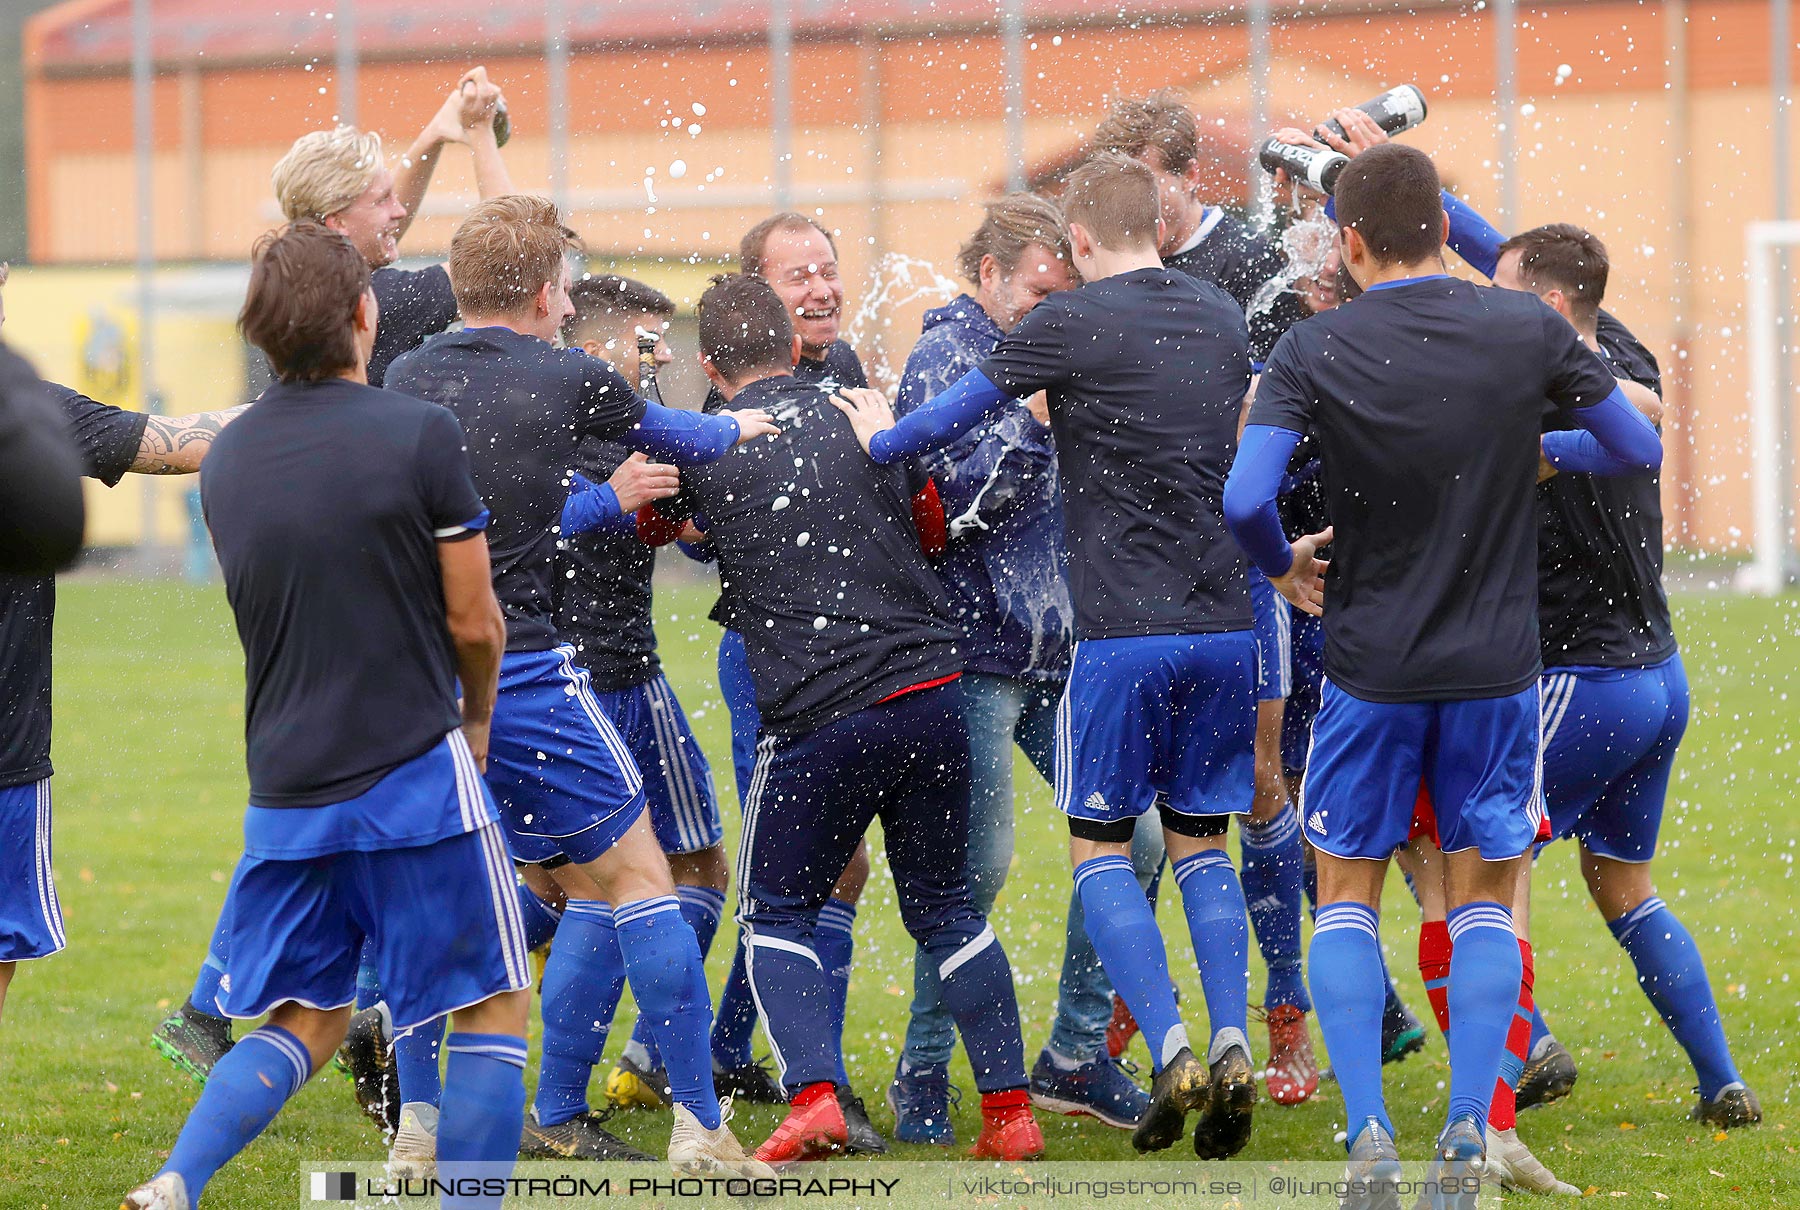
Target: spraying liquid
<point x="1306" y="246"/>
<point x="897" y="283"/>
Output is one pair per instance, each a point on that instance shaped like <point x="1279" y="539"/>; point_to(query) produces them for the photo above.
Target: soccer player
<point x="854" y="663"/>
<point x="41" y="506"/>
<point x="1005" y="572"/>
<point x="603" y="608"/>
<point x="109" y="442"/>
<point x="1431" y="652"/>
<point x="350" y="535"/>
<point x="797" y="257"/>
<point x="1200" y="239"/>
<point x="569" y="793"/>
<point x="340" y="178"/>
<point x="1146" y="369"/>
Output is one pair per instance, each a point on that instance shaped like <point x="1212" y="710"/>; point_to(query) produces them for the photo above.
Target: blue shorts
<point x="1610" y="736"/>
<point x="1306" y="678"/>
<point x="739" y="692"/>
<point x="678" y="785"/>
<point x="564" y="781"/>
<point x="1479" y="758"/>
<point x="1169" y="716"/>
<point x="443" y="916"/>
<point x="31" y="923"/>
<point x="1274" y="655"/>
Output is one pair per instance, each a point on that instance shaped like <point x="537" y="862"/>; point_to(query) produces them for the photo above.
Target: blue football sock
<point x="582" y="982"/>
<point x="205" y="995"/>
<point x="736" y="1021"/>
<point x="662" y="961"/>
<point x="1673" y="975"/>
<point x="1122" y="926"/>
<point x="977" y="987"/>
<point x="1274" y="860"/>
<point x="1540" y="1029"/>
<point x="1485" y="969"/>
<point x="540" y="918"/>
<point x="1344" y="965"/>
<point x="834" y="940"/>
<point x="247" y="1088"/>
<point x="368" y="980"/>
<point x="700" y="907"/>
<point x="1213" y="900"/>
<point x="416" y="1063"/>
<point x="483" y="1112"/>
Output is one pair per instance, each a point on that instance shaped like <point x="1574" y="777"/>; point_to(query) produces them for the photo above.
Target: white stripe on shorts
<point x="609" y="734"/>
<point x="46" y="877"/>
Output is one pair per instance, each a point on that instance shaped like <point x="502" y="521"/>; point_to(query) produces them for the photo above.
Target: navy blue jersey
<point x="820" y="560"/>
<point x="1426" y="400"/>
<point x="1600" y="549"/>
<point x="1146" y="374"/>
<point x="415" y="305"/>
<point x="1240" y="261"/>
<point x="326" y="502"/>
<point x="524" y="404"/>
<point x="603" y="591"/>
<point x="108" y="439"/>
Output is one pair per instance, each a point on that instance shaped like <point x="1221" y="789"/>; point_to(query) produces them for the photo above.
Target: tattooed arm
<point x="176" y="445"/>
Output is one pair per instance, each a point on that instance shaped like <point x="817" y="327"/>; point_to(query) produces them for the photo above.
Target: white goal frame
<point x="1772" y="561"/>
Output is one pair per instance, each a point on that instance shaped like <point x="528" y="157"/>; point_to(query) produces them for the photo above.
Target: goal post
<point x="1773" y="557"/>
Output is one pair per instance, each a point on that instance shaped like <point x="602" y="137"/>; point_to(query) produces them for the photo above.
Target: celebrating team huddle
<point x="1373" y="567"/>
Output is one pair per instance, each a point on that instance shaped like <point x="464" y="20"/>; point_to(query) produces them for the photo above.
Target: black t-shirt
<point x="1426" y="400"/>
<point x="820" y="559"/>
<point x="326" y="502"/>
<point x="415" y="304"/>
<point x="1146" y="374"/>
<point x="108" y="439"/>
<point x="1600" y="549"/>
<point x="1239" y="261"/>
<point x="524" y="404"/>
<point x="603" y="591"/>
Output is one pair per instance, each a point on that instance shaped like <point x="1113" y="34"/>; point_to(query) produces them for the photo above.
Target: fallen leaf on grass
<point x="1720" y="1137"/>
<point x="1718" y="1174"/>
<point x="1626" y="1126"/>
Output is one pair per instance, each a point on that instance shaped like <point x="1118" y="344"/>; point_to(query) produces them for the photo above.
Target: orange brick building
<point x="1646" y="121"/>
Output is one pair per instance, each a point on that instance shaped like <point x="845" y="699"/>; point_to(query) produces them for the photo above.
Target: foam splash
<point x="897" y="284"/>
<point x="1306" y="246"/>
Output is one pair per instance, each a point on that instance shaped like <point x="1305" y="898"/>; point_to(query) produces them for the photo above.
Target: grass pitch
<point x="150" y="789"/>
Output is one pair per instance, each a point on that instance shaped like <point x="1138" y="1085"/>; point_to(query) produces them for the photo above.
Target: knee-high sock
<point x="205" y="995"/>
<point x="416" y="1063"/>
<point x="1485" y="972"/>
<point x="1434" y="969"/>
<point x="700" y="907"/>
<point x="1344" y="966"/>
<point x="246" y="1089"/>
<point x="483" y="1112"/>
<point x="1673" y="975"/>
<point x="540" y="918"/>
<point x="582" y="982"/>
<point x="736" y="1019"/>
<point x="978" y="990"/>
<point x="1122" y="926"/>
<point x="834" y="940"/>
<point x="662" y="963"/>
<point x="1503" y="1110"/>
<point x="1274" y="859"/>
<point x="1213" y="901"/>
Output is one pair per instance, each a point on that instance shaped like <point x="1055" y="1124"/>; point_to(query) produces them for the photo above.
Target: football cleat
<point x="920" y="1100"/>
<point x="1224" y="1125"/>
<point x="752" y="1082"/>
<point x="1009" y="1132"/>
<point x="579" y="1138"/>
<point x="165" y="1192"/>
<point x="809" y="1132"/>
<point x="1181" y="1086"/>
<point x="192" y="1039"/>
<point x="368" y="1056"/>
<point x="1511" y="1165"/>
<point x="413" y="1156"/>
<point x="631" y="1086"/>
<point x="1121" y="1029"/>
<point x="1372" y="1177"/>
<point x="1293" y="1072"/>
<point x="1096" y="1089"/>
<point x="1548" y="1076"/>
<point x="1401" y="1033"/>
<point x="863" y="1138"/>
<point x="1459" y="1155"/>
<point x="1735" y="1105"/>
<point x="694" y="1148"/>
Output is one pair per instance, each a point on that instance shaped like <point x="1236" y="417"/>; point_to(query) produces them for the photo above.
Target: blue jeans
<point x="1001" y="711"/>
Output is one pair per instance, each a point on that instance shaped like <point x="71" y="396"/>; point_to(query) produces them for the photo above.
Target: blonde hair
<point x="504" y="252"/>
<point x="1014" y="223"/>
<point x="325" y="171"/>
<point x="1114" y="197"/>
<point x="1161" y="121"/>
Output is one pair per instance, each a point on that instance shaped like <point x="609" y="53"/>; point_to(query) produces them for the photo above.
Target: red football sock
<point x="1503" y="1112"/>
<point x="999" y="1103"/>
<point x="1434" y="968"/>
<point x="823" y="1090"/>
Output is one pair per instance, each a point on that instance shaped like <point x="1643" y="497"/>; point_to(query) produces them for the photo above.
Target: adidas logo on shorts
<point x="1316" y="822"/>
<point x="1095" y="802"/>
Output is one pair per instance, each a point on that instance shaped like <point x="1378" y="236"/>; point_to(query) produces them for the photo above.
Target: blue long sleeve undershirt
<point x="683" y="438"/>
<point x="1250" y="493"/>
<point x="1614" y="438"/>
<point x="941" y="421"/>
<point x="594" y="507"/>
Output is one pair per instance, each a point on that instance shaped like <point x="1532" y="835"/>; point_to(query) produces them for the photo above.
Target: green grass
<point x="150" y="790"/>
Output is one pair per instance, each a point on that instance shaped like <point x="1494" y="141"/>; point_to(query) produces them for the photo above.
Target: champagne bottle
<point x="647" y="342"/>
